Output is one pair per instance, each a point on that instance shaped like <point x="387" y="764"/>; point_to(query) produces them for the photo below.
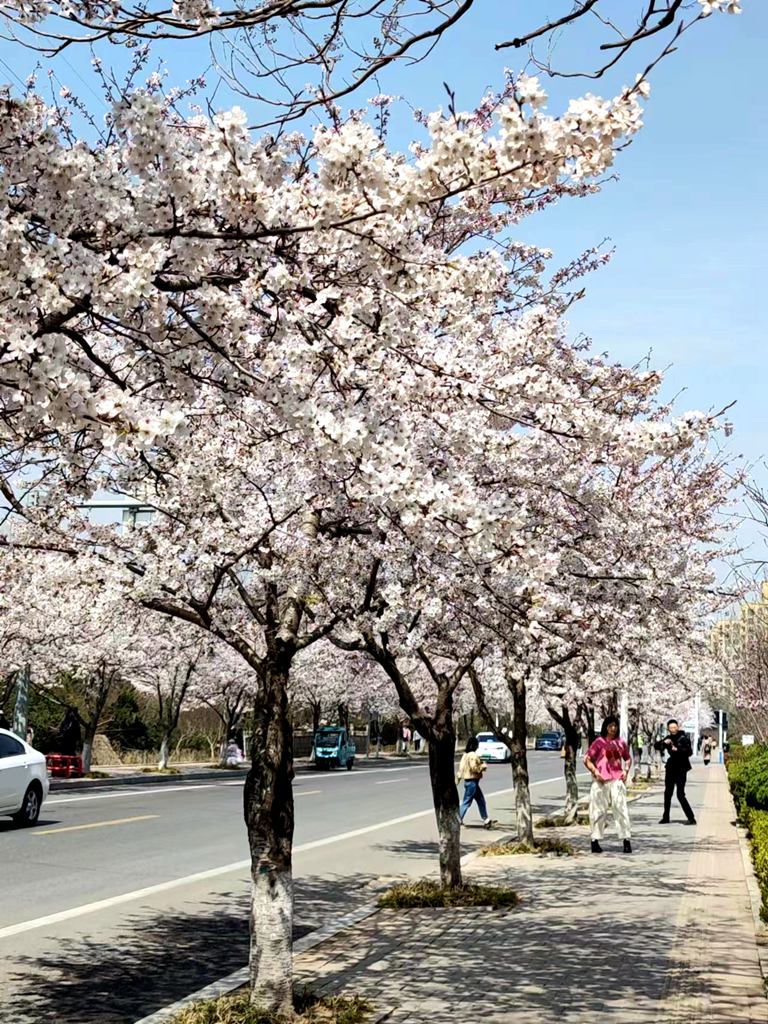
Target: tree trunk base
<point x="271" y="966"/>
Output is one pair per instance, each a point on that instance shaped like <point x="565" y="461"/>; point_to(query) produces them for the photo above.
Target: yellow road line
<point x="94" y="824"/>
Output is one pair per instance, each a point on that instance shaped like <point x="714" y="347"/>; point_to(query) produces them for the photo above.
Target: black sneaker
<point x="596" y="847"/>
<point x="627" y="846"/>
<point x="664" y="821"/>
<point x="690" y="821"/>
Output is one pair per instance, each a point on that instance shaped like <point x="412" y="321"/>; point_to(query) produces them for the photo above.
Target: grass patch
<point x="424" y="893"/>
<point x="97" y="775"/>
<point x="560" y="822"/>
<point x="310" y="1009"/>
<point x="560" y="847"/>
<point x="160" y="771"/>
<point x="639" y="785"/>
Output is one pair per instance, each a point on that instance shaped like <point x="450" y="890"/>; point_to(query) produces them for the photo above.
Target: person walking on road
<point x="677" y="746"/>
<point x="471" y="770"/>
<point x="4" y="723"/>
<point x="605" y="759"/>
<point x="707" y="748"/>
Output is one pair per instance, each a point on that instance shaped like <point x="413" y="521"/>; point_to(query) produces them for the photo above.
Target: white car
<point x="23" y="779"/>
<point x="489" y="748"/>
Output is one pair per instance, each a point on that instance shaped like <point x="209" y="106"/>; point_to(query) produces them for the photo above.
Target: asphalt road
<point x="122" y="901"/>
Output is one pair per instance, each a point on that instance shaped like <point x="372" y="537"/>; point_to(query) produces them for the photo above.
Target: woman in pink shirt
<point x="605" y="759"/>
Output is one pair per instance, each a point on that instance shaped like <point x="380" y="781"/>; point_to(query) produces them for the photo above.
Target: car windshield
<point x="327" y="739"/>
<point x="486" y="738"/>
<point x="550" y="736"/>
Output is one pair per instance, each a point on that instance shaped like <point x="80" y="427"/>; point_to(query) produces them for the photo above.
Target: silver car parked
<point x="23" y="779"/>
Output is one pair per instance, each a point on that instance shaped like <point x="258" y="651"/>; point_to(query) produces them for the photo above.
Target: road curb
<point x="238" y="979"/>
<point x="76" y="785"/>
<point x="755" y="901"/>
<point x="206" y="775"/>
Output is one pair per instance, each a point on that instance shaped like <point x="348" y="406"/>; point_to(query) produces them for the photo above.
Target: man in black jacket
<point x="677" y="747"/>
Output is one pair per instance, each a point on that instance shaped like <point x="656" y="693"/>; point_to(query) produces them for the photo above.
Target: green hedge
<point x="757" y="825"/>
<point x="748" y="776"/>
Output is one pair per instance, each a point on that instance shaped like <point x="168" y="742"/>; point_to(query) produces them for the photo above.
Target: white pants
<point x="604" y="797"/>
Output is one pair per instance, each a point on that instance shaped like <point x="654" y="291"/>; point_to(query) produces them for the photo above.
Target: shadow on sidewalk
<point x="593" y="938"/>
<point x="155" y="959"/>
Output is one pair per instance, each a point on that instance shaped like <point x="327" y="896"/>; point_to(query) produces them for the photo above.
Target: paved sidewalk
<point x="664" y="935"/>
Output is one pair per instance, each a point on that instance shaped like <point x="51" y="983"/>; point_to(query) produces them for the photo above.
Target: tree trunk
<point x="571" y="785"/>
<point x="268" y="806"/>
<point x="343" y="713"/>
<point x="165" y="751"/>
<point x="569" y="769"/>
<point x="589" y="718"/>
<point x="88" y="738"/>
<point x="517" y="745"/>
<point x="442" y="774"/>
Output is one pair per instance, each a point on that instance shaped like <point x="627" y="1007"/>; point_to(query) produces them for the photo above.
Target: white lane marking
<point x="390" y="782"/>
<point x="115" y="901"/>
<point x="356" y="772"/>
<point x="95" y="824"/>
<point x="307" y="792"/>
<point x="138" y="791"/>
<point x="158" y="790"/>
<point x="202" y="876"/>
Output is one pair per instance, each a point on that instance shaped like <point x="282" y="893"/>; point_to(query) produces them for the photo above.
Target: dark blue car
<point x="550" y="741"/>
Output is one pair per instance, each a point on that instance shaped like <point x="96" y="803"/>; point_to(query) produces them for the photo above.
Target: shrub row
<point x="756" y="823"/>
<point x="748" y="776"/>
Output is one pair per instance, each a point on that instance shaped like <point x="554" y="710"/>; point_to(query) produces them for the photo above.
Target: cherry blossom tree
<point x="290" y="59"/>
<point x="63" y="620"/>
<point x="333" y="379"/>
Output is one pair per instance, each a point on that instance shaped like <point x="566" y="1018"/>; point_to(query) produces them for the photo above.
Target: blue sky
<point x="688" y="216"/>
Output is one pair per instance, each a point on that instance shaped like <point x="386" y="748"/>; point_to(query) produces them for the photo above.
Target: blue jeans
<point x="472" y="792"/>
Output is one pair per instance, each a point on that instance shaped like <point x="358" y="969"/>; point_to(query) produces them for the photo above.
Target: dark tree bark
<point x="102" y="689"/>
<point x="516" y="684"/>
<point x="518" y="747"/>
<point x="438" y="729"/>
<point x="442" y="776"/>
<point x="567" y="724"/>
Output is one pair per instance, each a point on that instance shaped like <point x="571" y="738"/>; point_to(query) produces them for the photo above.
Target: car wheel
<point x="30" y="808"/>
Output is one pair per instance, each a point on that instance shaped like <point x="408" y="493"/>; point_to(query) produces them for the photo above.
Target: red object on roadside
<point x="64" y="766"/>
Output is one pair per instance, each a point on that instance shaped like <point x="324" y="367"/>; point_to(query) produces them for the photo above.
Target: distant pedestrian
<point x="31" y="736"/>
<point x="233" y="756"/>
<point x="471" y="770"/>
<point x="406" y="735"/>
<point x="4" y="723"/>
<point x="605" y="759"/>
<point x="416" y="741"/>
<point x="677" y="746"/>
<point x="706" y="749"/>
